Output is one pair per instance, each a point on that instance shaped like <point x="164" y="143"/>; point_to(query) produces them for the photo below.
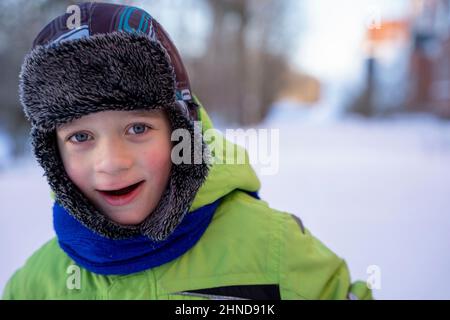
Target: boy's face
<point x="120" y="160"/>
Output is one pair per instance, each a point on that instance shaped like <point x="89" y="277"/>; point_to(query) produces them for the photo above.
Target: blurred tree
<point x="246" y="58"/>
<point x="19" y="23"/>
<point x="364" y="104"/>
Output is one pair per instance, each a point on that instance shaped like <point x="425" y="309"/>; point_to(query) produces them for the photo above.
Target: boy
<point x="131" y="223"/>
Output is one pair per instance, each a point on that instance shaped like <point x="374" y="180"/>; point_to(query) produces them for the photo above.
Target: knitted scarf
<point x="102" y="255"/>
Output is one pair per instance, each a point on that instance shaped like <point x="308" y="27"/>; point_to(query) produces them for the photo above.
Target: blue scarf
<point x="101" y="255"/>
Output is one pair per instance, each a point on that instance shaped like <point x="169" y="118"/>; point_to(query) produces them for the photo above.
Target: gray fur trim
<point x="116" y="71"/>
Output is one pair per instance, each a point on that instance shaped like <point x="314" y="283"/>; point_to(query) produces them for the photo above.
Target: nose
<point x="113" y="157"/>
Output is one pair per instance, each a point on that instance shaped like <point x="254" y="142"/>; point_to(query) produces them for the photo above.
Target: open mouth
<point x="123" y="191"/>
<point x="122" y="196"/>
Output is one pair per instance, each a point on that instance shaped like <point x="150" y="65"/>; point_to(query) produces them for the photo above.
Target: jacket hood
<point x="224" y="176"/>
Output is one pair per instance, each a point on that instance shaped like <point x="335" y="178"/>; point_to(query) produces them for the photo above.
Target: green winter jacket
<point x="248" y="251"/>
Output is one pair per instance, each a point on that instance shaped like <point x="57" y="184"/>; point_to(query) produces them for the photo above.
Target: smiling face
<point x="120" y="160"/>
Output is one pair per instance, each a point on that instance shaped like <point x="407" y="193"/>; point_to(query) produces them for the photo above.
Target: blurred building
<point x="430" y="57"/>
<point x="407" y="63"/>
<point x="300" y="88"/>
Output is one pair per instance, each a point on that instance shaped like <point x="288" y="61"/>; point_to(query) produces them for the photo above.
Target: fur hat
<point x="119" y="59"/>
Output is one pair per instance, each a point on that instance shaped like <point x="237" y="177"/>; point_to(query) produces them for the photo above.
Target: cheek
<point x="158" y="161"/>
<point x="78" y="174"/>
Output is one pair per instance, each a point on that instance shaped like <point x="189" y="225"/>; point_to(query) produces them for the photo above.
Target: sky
<point x="330" y="46"/>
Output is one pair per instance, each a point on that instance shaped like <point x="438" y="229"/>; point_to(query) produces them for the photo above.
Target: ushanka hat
<point x="117" y="58"/>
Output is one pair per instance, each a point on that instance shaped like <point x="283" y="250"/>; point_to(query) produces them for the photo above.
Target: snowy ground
<point x="377" y="193"/>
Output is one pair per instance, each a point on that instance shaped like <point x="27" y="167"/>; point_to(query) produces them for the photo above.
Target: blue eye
<point x="79" y="137"/>
<point x="139" y="128"/>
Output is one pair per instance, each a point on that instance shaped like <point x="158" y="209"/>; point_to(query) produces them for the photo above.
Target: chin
<point x="128" y="220"/>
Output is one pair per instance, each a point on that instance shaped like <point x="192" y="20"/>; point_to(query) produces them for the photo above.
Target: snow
<point x="25" y="216"/>
<point x="4" y="150"/>
<point x="374" y="191"/>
